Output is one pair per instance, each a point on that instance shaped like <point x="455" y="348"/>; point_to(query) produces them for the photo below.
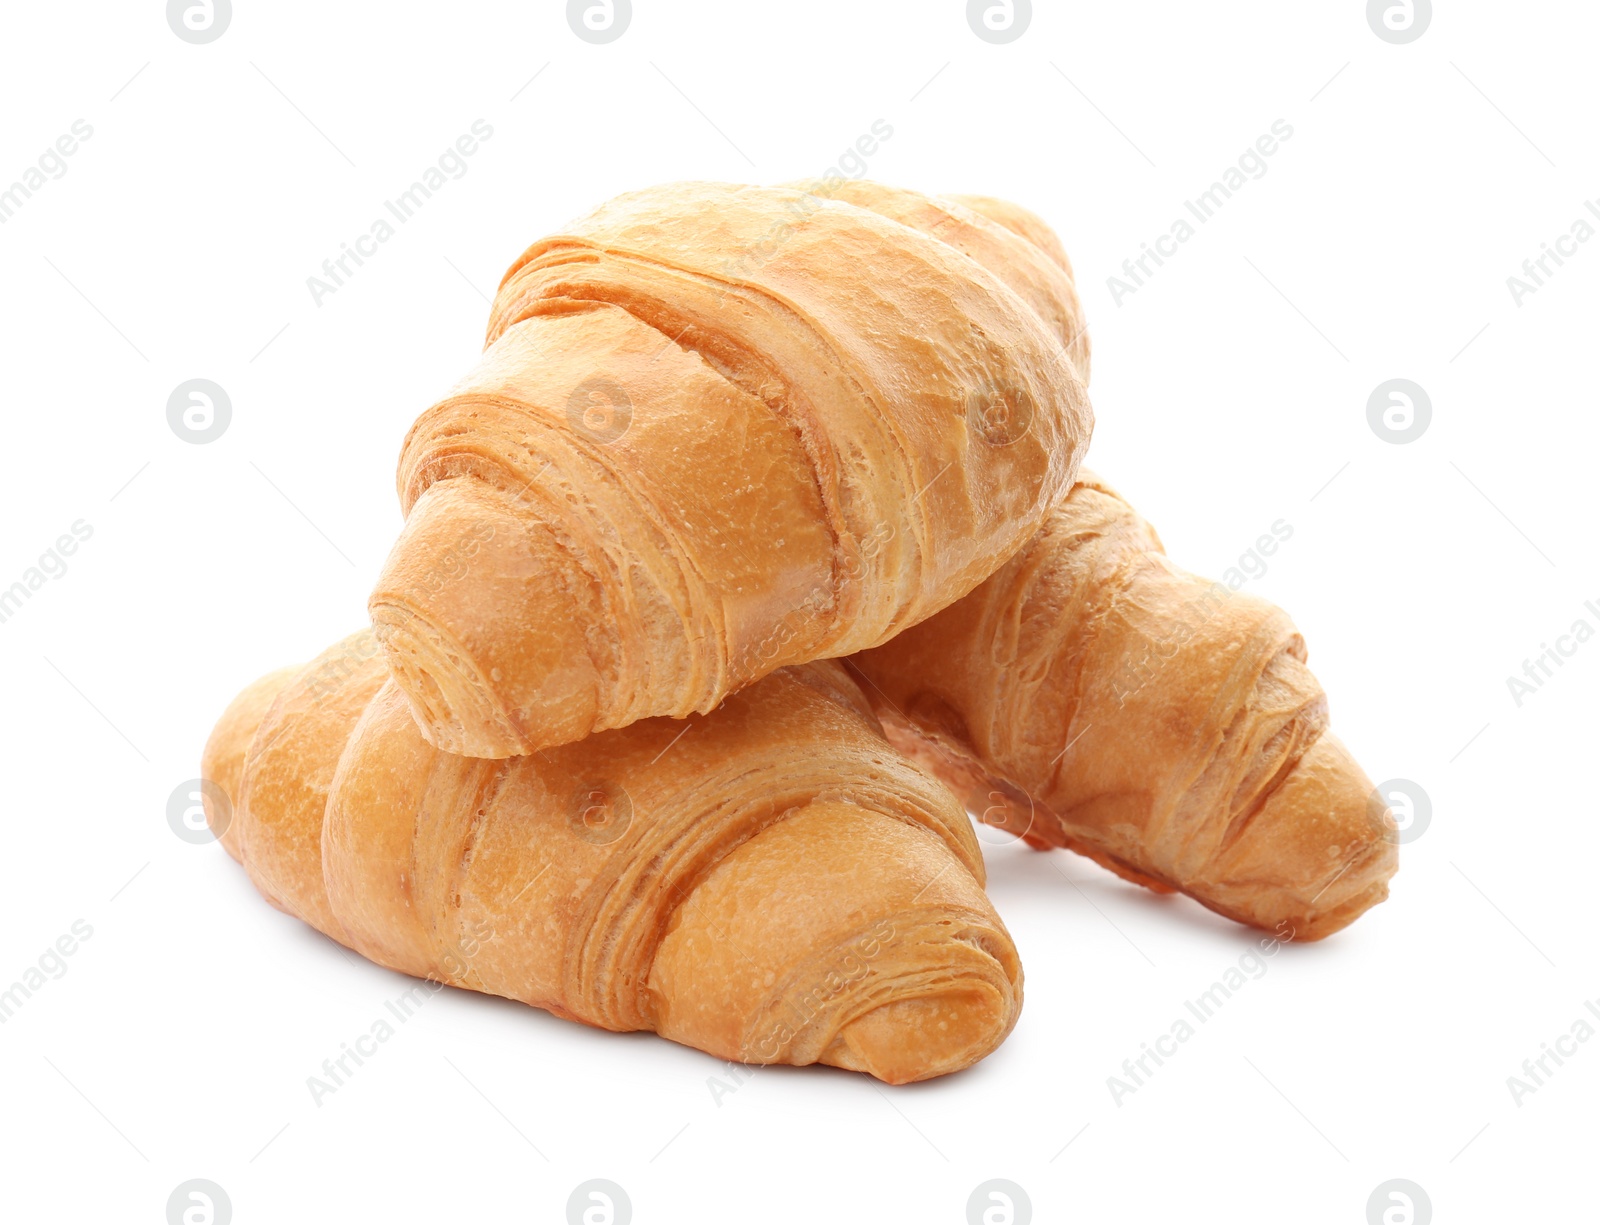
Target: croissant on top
<point x="718" y="430"/>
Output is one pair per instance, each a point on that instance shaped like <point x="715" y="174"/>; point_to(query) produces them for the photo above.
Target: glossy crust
<point x="718" y="430"/>
<point x="771" y="883"/>
<point x="1092" y="695"/>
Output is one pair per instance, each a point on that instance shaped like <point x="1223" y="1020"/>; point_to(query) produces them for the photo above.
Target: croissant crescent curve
<point x="771" y="883"/>
<point x="1092" y="695"/>
<point x="718" y="430"/>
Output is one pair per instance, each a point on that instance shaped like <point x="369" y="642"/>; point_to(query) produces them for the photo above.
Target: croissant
<point x="719" y="430"/>
<point x="771" y="883"/>
<point x="1016" y="246"/>
<point x="1092" y="695"/>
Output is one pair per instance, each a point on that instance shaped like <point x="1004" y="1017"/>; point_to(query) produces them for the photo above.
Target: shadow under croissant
<point x="779" y="887"/>
<point x="1039" y="876"/>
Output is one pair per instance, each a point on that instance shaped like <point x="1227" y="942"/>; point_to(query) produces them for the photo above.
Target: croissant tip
<point x="1324" y="923"/>
<point x="453" y="713"/>
<point x="926" y="1036"/>
<point x="497" y="667"/>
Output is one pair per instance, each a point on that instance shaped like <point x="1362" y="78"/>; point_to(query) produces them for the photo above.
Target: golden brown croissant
<point x="718" y="430"/>
<point x="771" y="883"/>
<point x="1022" y="223"/>
<point x="1020" y="250"/>
<point x="1092" y="695"/>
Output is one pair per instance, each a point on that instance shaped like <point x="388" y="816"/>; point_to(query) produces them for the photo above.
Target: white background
<point x="1230" y="391"/>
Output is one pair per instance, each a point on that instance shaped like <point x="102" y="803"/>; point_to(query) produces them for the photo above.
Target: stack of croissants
<point x="749" y="560"/>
